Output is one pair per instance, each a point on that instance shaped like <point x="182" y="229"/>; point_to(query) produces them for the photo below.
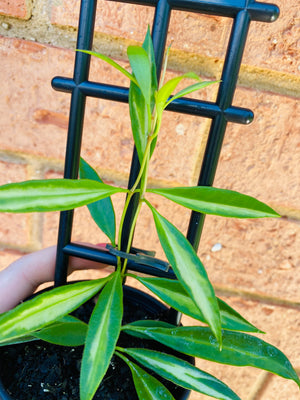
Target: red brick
<point x="16" y="8"/>
<point x="270" y="45"/>
<point x="256" y="256"/>
<point x="262" y="159"/>
<point x="14" y="228"/>
<point x="240" y="380"/>
<point x="33" y="114"/>
<point x="276" y="389"/>
<point x="43" y="117"/>
<point x="275" y="46"/>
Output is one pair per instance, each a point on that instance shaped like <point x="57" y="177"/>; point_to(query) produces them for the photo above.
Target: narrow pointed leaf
<point x="189" y="271"/>
<point x="190" y="89"/>
<point x="69" y="331"/>
<point x="146" y="386"/>
<point x="141" y="69"/>
<point x="139" y="111"/>
<point x="139" y="119"/>
<point x="21" y="339"/>
<point x="209" y="200"/>
<point x="102" y="211"/>
<point x="111" y="62"/>
<point x="46" y="308"/>
<point x="148" y="46"/>
<point x="182" y="373"/>
<point x="174" y="294"/>
<point x="167" y="89"/>
<point x="143" y="324"/>
<point x="239" y="349"/>
<point x="103" y="332"/>
<point x="52" y="194"/>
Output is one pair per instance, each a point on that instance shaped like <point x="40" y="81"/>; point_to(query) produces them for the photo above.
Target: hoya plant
<point x="222" y="334"/>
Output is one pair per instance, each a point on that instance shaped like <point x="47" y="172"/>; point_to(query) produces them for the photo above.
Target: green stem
<point x="130" y="238"/>
<point x="128" y="198"/>
<point x="143" y="165"/>
<point x="142" y="180"/>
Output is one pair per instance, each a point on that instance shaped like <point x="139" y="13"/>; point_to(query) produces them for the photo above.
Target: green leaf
<point x="189" y="271"/>
<point x="139" y="118"/>
<point x="147" y="387"/>
<point x="239" y="349"/>
<point x="139" y="109"/>
<point x="209" y="200"/>
<point x="102" y="336"/>
<point x="102" y="211"/>
<point x="148" y="46"/>
<point x="174" y="294"/>
<point x="24" y="339"/>
<point x="46" y="308"/>
<point x="167" y="89"/>
<point x="52" y="194"/>
<point x="190" y="89"/>
<point x="145" y="323"/>
<point x="182" y="373"/>
<point x="111" y="62"/>
<point x="69" y="331"/>
<point x="141" y="69"/>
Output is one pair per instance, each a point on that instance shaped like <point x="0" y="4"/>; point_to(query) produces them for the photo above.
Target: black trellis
<point x="220" y="112"/>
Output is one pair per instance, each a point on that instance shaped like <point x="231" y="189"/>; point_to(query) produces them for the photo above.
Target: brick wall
<point x="255" y="265"/>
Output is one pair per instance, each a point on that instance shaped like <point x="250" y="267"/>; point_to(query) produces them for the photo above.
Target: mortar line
<point x="259" y="385"/>
<point x="265" y="299"/>
<point x="251" y="77"/>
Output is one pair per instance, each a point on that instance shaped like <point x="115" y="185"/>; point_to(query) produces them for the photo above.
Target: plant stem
<point x="130" y="238"/>
<point x="143" y="164"/>
<point x="142" y="180"/>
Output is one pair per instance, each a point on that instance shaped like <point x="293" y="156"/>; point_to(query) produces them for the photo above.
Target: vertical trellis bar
<point x="77" y="109"/>
<point x="227" y="87"/>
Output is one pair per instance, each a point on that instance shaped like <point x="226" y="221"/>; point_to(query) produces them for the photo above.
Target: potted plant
<point x="223" y="336"/>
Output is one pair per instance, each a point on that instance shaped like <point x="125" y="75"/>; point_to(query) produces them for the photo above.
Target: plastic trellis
<point x="220" y="112"/>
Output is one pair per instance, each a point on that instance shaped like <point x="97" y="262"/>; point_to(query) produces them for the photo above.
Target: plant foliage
<point x="224" y="338"/>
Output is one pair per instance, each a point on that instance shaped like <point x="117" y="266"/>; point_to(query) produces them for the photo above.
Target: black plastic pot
<point x="146" y="303"/>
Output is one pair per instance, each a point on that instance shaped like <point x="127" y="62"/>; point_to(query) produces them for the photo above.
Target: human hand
<point x="21" y="278"/>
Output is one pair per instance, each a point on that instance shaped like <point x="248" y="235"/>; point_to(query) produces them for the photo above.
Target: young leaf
<point x="138" y="108"/>
<point x="139" y="118"/>
<point x="190" y="89"/>
<point x="46" y="308"/>
<point x="148" y="46"/>
<point x="147" y="387"/>
<point x="209" y="200"/>
<point x="174" y="294"/>
<point x="102" y="211"/>
<point x="239" y="349"/>
<point x="182" y="373"/>
<point x="111" y="62"/>
<point x="102" y="336"/>
<point x="189" y="271"/>
<point x="141" y="69"/>
<point x="52" y="194"/>
<point x="69" y="331"/>
<point x="167" y="89"/>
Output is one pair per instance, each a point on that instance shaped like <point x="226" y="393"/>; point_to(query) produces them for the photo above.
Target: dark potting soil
<point x="39" y="370"/>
